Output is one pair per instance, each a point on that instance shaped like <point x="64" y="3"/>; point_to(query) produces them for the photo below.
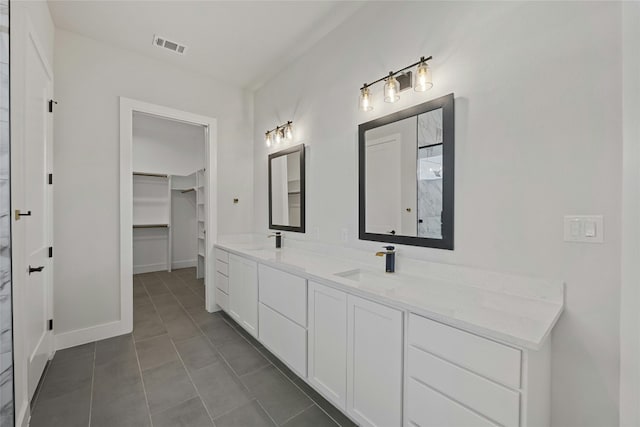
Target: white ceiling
<point x="242" y="42"/>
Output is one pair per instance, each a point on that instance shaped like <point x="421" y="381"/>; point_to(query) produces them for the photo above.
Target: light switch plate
<point x="584" y="228"/>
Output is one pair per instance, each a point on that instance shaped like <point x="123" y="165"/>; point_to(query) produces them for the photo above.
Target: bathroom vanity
<point x="450" y="347"/>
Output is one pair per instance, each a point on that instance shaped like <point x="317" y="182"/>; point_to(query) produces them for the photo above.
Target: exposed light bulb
<point x="365" y="99"/>
<point x="423" y="81"/>
<point x="288" y="131"/>
<point x="278" y="135"/>
<point x="391" y="89"/>
<point x="268" y="138"/>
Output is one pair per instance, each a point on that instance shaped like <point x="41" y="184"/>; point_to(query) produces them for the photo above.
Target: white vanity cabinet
<point x="457" y="378"/>
<point x="381" y="362"/>
<point x="355" y="355"/>
<point x="282" y="313"/>
<point x="221" y="279"/>
<point x="243" y="292"/>
<point x="328" y="342"/>
<point x="374" y="363"/>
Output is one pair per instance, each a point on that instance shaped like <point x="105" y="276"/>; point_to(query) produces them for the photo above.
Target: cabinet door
<point x="374" y="370"/>
<point x="243" y="292"/>
<point x="328" y="342"/>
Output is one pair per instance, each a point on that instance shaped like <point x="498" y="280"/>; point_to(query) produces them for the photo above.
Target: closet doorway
<point x="167" y="195"/>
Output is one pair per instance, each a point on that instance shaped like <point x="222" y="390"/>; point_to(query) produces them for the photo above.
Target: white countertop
<point x="513" y="309"/>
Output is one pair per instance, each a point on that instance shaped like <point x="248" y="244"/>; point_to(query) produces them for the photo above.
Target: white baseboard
<point x="150" y="268"/>
<point x="93" y="333"/>
<point x="184" y="264"/>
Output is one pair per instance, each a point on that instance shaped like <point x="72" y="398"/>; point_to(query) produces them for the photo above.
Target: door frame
<point x="129" y="106"/>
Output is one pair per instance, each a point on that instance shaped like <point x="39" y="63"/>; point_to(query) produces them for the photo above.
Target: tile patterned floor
<point x="181" y="366"/>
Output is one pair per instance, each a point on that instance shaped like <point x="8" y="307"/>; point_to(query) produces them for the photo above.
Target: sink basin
<point x="370" y="279"/>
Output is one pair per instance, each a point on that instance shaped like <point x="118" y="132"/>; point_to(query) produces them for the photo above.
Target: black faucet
<point x="391" y="258"/>
<point x="278" y="236"/>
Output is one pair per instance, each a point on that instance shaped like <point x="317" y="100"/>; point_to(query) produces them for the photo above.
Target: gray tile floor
<point x="181" y="366"/>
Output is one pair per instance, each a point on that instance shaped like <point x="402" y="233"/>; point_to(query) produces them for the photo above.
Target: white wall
<point x="91" y="75"/>
<point x="167" y="146"/>
<point x="538" y="136"/>
<point x="630" y="293"/>
<point x="38" y="13"/>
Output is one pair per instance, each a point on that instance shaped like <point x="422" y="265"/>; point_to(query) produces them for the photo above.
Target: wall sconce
<point x="280" y="133"/>
<point x="423" y="82"/>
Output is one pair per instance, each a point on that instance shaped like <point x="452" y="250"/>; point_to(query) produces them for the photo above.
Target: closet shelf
<point x="150" y="225"/>
<point x="157" y="175"/>
<point x="186" y="190"/>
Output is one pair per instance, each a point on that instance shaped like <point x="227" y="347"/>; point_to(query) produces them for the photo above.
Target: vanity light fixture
<point x="423" y="82"/>
<point x="391" y="89"/>
<point x="280" y="133"/>
<point x="365" y="98"/>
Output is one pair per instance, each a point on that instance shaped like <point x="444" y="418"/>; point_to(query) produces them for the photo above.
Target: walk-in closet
<point x="169" y="187"/>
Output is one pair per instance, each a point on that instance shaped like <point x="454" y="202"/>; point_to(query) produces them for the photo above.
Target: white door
<point x="383" y="195"/>
<point x="374" y="363"/>
<point x="328" y="342"/>
<point x="243" y="293"/>
<point x="36" y="160"/>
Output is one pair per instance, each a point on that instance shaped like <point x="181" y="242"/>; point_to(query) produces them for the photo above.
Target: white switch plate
<point x="584" y="228"/>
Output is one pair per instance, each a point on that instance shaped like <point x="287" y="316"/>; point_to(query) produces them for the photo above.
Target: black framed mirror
<point x="406" y="176"/>
<point x="287" y="190"/>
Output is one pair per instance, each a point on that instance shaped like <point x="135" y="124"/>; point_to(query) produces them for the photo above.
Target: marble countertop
<point x="516" y="310"/>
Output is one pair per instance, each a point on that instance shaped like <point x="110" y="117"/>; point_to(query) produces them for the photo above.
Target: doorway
<point x="149" y="222"/>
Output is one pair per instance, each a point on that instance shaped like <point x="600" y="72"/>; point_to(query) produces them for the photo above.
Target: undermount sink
<point x="370" y="279"/>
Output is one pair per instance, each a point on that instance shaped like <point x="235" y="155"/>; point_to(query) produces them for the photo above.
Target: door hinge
<point x="51" y="102"/>
<point x="50" y="178"/>
<point x="51" y="324"/>
<point x="50" y="251"/>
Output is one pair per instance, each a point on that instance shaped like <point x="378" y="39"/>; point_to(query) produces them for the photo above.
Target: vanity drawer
<point x="485" y="357"/>
<point x="473" y="391"/>
<point x="222" y="282"/>
<point x="222" y="299"/>
<point x="284" y="338"/>
<point x="428" y="408"/>
<point x="284" y="292"/>
<point x="222" y="255"/>
<point x="222" y="267"/>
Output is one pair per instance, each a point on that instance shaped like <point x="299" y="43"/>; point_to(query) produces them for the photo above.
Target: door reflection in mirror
<point x="404" y="177"/>
<point x="287" y="190"/>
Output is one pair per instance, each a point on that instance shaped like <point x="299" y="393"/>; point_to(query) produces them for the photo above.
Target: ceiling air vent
<point x="162" y="42"/>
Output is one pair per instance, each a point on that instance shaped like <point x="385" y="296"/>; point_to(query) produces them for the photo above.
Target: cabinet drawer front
<point x="222" y="267"/>
<point x="496" y="402"/>
<point x="222" y="299"/>
<point x="488" y="358"/>
<point x="222" y="255"/>
<point x="428" y="408"/>
<point x="284" y="338"/>
<point x="222" y="282"/>
<point x="284" y="292"/>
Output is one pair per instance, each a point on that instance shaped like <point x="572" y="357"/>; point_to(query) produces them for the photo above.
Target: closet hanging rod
<point x="188" y="190"/>
<point x="151" y="226"/>
<point x="157" y="175"/>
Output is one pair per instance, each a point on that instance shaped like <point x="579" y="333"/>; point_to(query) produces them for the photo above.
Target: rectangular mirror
<point x="406" y="170"/>
<point x="287" y="190"/>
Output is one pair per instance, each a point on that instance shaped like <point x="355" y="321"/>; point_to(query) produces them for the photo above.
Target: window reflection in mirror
<point x="286" y="190"/>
